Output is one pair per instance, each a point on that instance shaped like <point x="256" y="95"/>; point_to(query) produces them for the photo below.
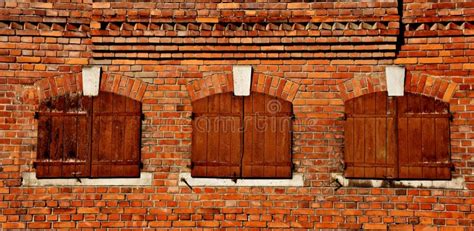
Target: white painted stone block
<point x="242" y="80"/>
<point x="90" y="80"/>
<point x="395" y="76"/>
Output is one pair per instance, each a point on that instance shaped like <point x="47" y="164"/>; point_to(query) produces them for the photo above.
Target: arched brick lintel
<point x="432" y="86"/>
<point x="221" y="83"/>
<point x="72" y="83"/>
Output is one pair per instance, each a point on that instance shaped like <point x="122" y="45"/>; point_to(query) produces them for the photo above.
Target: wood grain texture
<point x="241" y="137"/>
<point x="401" y="137"/>
<point x="84" y="137"/>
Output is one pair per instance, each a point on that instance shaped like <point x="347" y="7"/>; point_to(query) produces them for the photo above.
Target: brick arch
<point x="72" y="83"/>
<point x="424" y="84"/>
<point x="222" y="83"/>
<point x="123" y="85"/>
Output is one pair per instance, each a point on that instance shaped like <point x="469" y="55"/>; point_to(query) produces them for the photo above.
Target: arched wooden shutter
<point x="241" y="137"/>
<point x="63" y="139"/>
<point x="423" y="136"/>
<point x="217" y="137"/>
<point x="370" y="138"/>
<point x="115" y="136"/>
<point x="267" y="137"/>
<point x="399" y="137"/>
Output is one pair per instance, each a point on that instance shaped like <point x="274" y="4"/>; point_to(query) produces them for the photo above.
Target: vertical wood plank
<point x="249" y="137"/>
<point x="393" y="146"/>
<point x="132" y="138"/>
<point x="359" y="146"/>
<point x="349" y="137"/>
<point x="428" y="151"/>
<point x="56" y="146"/>
<point x="199" y="137"/>
<point x="370" y="135"/>
<point x="44" y="141"/>
<point x="118" y="136"/>
<point x="83" y="149"/>
<point x="359" y="141"/>
<point x="213" y="136"/>
<point x="259" y="135"/>
<point x="236" y="137"/>
<point x="225" y="134"/>
<point x="381" y="134"/>
<point x="69" y="146"/>
<point x="442" y="147"/>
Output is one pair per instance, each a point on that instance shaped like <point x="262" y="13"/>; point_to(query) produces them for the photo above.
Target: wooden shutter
<point x="217" y="137"/>
<point x="423" y="136"/>
<point x="115" y="136"/>
<point x="267" y="137"/>
<point x="63" y="139"/>
<point x="370" y="138"/>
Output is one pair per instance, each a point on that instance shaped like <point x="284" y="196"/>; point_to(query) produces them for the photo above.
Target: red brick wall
<point x="43" y="47"/>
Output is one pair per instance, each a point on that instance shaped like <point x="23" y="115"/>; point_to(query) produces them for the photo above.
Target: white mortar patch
<point x="30" y="180"/>
<point x="296" y="181"/>
<point x="455" y="183"/>
<point x="90" y="80"/>
<point x="242" y="80"/>
<point x="395" y="77"/>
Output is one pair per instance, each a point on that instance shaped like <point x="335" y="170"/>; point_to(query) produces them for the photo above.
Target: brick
<point x="228" y="5"/>
<point x="88" y="210"/>
<point x="7" y="59"/>
<point x="406" y="61"/>
<point x="77" y="61"/>
<point x="28" y="59"/>
<point x="207" y="20"/>
<point x="45" y="5"/>
<point x="101" y="5"/>
<point x="468" y="66"/>
<point x="39" y="225"/>
<point x="430" y="60"/>
<point x="448" y="94"/>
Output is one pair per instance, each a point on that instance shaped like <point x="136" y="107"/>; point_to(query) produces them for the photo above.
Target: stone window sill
<point x="454" y="183"/>
<point x="30" y="180"/>
<point x="296" y="181"/>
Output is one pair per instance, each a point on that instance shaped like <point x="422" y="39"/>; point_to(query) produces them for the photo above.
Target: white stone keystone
<point x="90" y="80"/>
<point x="395" y="76"/>
<point x="242" y="80"/>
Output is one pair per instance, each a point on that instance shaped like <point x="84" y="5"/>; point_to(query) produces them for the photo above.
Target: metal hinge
<point x="141" y="165"/>
<point x="142" y="117"/>
<point x="36" y="116"/>
<point x="451" y="116"/>
<point x="190" y="166"/>
<point x="35" y="164"/>
<point x="344" y="117"/>
<point x="293" y="117"/>
<point x="192" y="116"/>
